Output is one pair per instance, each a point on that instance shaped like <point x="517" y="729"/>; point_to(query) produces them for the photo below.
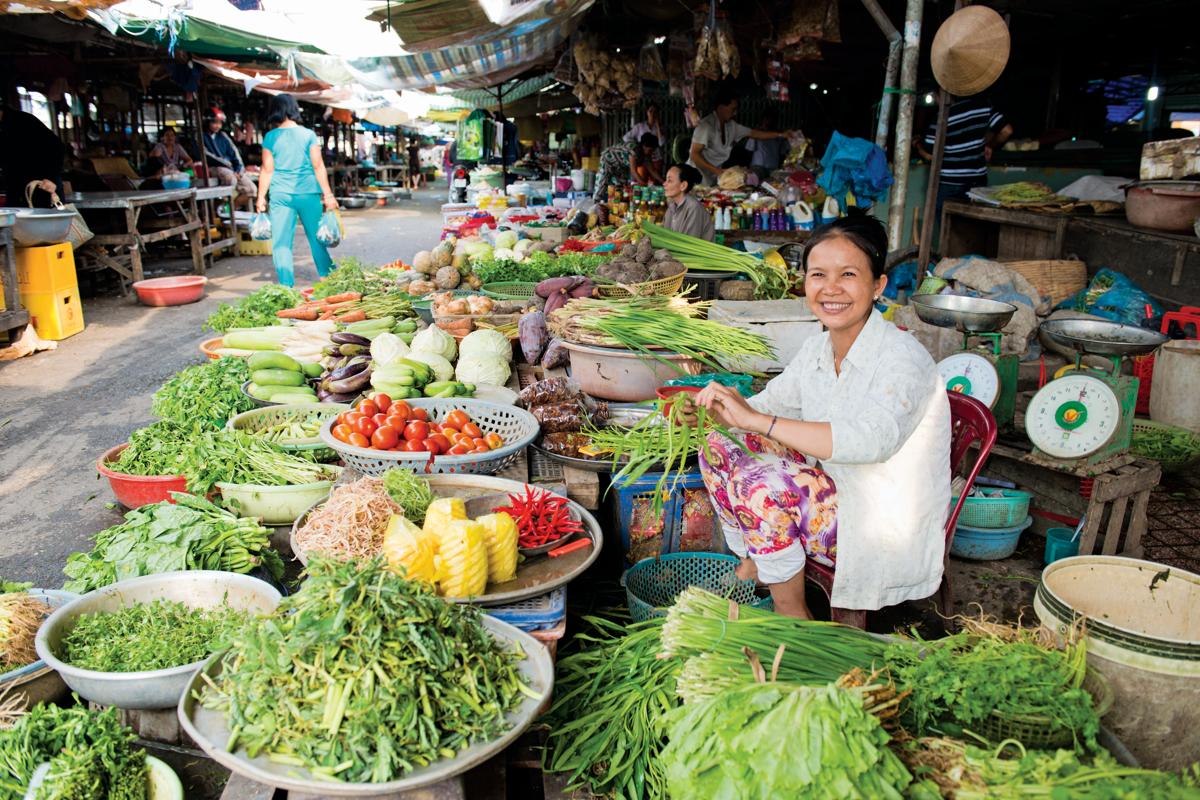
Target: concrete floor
<point x="60" y="410"/>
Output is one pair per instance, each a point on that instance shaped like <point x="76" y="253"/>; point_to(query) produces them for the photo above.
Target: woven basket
<point x="662" y="286"/>
<point x="1057" y="279"/>
<point x="515" y="425"/>
<point x="652" y="584"/>
<point x="994" y="512"/>
<point x="1038" y="731"/>
<point x="258" y="418"/>
<point x="1168" y="464"/>
<point x="510" y="290"/>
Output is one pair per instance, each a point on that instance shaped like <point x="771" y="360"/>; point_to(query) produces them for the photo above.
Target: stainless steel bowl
<point x="150" y="689"/>
<point x="35" y="227"/>
<point x="7" y="217"/>
<point x="1097" y="337"/>
<point x="352" y="202"/>
<point x="966" y="314"/>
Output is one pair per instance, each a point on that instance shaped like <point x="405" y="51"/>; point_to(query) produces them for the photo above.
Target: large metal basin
<point x="1101" y="338"/>
<point x="151" y="689"/>
<point x="35" y="227"/>
<point x="7" y="217"/>
<point x="967" y="314"/>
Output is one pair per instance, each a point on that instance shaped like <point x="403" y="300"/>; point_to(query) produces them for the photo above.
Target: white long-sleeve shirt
<point x="890" y="463"/>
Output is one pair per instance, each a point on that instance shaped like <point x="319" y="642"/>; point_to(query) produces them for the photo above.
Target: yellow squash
<point x="500" y="535"/>
<point x="405" y="545"/>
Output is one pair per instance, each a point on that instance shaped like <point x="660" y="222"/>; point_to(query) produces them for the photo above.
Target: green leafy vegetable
<point x="410" y="491"/>
<point x="255" y="309"/>
<point x="536" y="267"/>
<point x="147" y="636"/>
<point x="1167" y="444"/>
<point x="14" y="586"/>
<point x="350" y="275"/>
<point x="157" y="449"/>
<point x="192" y="533"/>
<point x="91" y="755"/>
<point x="364" y="676"/>
<point x="204" y="395"/>
<point x="781" y="740"/>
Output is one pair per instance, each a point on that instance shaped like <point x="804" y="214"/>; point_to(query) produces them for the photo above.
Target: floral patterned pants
<point x="773" y="506"/>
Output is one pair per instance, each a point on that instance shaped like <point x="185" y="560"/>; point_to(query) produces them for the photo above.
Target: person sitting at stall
<point x="294" y="175"/>
<point x="767" y="155"/>
<point x="715" y="136"/>
<point x="686" y="214"/>
<point x="863" y="400"/>
<point x="224" y="161"/>
<point x="170" y="153"/>
<point x="627" y="163"/>
<point x="651" y="124"/>
<point x="29" y="153"/>
<point x="152" y="172"/>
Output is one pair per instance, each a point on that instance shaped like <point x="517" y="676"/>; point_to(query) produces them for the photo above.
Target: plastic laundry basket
<point x="652" y="584"/>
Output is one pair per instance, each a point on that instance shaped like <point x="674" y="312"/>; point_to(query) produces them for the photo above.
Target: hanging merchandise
<point x="779" y="75"/>
<point x="854" y="165"/>
<point x="471" y="135"/>
<point x="727" y="51"/>
<point x="708" y="64"/>
<point x="607" y="80"/>
<point x="679" y="62"/>
<point x="650" y="65"/>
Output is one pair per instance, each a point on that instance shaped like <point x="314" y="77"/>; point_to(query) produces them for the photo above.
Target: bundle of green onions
<point x="770" y="280"/>
<point x="714" y="633"/>
<point x="649" y="325"/>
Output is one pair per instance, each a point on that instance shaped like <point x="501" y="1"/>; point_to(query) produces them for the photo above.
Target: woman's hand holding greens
<point x="730" y="408"/>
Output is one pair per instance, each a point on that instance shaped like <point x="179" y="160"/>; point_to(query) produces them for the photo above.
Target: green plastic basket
<point x="1040" y="732"/>
<point x="1176" y="462"/>
<point x="510" y="290"/>
<point x="994" y="512"/>
<point x="258" y="418"/>
<point x="652" y="584"/>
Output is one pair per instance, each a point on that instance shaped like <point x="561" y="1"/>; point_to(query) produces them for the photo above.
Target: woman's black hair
<point x="648" y="140"/>
<point x="724" y="96"/>
<point x="863" y="231"/>
<point x="689" y="175"/>
<point x="283" y="106"/>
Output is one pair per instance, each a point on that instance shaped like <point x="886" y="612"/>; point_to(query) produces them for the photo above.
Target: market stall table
<point x="769" y="237"/>
<point x="128" y="208"/>
<point x="12" y="316"/>
<point x="209" y="199"/>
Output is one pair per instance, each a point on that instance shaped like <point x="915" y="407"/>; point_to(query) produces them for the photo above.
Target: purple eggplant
<point x="349" y="338"/>
<point x="347" y="371"/>
<point x="354" y="383"/>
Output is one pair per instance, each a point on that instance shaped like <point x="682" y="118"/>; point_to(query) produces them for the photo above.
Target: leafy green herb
<point x="255" y="309"/>
<point x="364" y="676"/>
<point x="204" y="395"/>
<point x="213" y="457"/>
<point x="350" y="275"/>
<point x="14" y="586"/>
<point x="157" y="449"/>
<point x="410" y="491"/>
<point x="91" y="755"/>
<point x="147" y="636"/>
<point x="1165" y="444"/>
<point x="536" y="267"/>
<point x="192" y="533"/>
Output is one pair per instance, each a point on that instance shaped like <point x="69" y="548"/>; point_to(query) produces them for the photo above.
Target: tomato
<point x="444" y="444"/>
<point x="400" y="405"/>
<point x="380" y="419"/>
<point x="420" y="414"/>
<point x="457" y="418"/>
<point x="382" y="400"/>
<point x="472" y="430"/>
<point x="367" y="408"/>
<point x="358" y="440"/>
<point x="352" y="418"/>
<point x="343" y="418"/>
<point x="479" y="441"/>
<point x="448" y="429"/>
<point x="416" y="431"/>
<point x="459" y="450"/>
<point x="365" y="426"/>
<point x="414" y="446"/>
<point x="494" y="441"/>
<point x="384" y="438"/>
<point x="342" y="432"/>
<point x="432" y="446"/>
<point x="482" y="449"/>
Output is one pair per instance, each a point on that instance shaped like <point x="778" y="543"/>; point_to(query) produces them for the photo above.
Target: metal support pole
<point x="935" y="178"/>
<point x="895" y="40"/>
<point x="904" y="121"/>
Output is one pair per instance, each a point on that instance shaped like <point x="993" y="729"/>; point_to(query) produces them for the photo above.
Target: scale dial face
<point x="1073" y="416"/>
<point x="972" y="375"/>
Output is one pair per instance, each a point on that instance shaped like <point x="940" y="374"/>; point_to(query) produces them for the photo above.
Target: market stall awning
<point x="424" y="25"/>
<point x="490" y="98"/>
<point x="277" y="81"/>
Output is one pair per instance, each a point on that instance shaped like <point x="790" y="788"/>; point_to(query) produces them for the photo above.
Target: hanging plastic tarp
<point x="425" y="25"/>
<point x="487" y="98"/>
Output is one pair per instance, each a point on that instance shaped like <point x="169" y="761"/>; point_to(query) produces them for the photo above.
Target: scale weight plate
<point x="1073" y="416"/>
<point x="972" y="375"/>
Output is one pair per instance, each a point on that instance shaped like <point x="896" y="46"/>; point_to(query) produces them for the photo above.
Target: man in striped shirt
<point x="973" y="130"/>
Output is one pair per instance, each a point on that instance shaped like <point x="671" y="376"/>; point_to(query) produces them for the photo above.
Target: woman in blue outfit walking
<point x="294" y="174"/>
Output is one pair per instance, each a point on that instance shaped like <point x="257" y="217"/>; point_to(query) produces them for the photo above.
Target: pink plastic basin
<point x="135" y="491"/>
<point x="174" y="291"/>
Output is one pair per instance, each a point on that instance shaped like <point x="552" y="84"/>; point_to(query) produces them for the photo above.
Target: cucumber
<point x="313" y="370"/>
<point x="256" y="338"/>
<point x="277" y="377"/>
<point x="288" y="398"/>
<point x="260" y="392"/>
<point x="273" y="360"/>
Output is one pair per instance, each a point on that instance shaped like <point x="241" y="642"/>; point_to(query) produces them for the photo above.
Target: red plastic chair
<point x="970" y="422"/>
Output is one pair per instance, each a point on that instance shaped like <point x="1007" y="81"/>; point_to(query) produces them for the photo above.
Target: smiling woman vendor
<point x="847" y="451"/>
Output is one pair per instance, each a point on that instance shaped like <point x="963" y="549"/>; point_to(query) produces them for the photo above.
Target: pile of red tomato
<point x="380" y="423"/>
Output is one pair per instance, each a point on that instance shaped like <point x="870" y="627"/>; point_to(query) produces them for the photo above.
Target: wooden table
<point x="127" y="208"/>
<point x="770" y="237"/>
<point x="384" y="172"/>
<point x="1002" y="233"/>
<point x="209" y="200"/>
<point x="13" y="316"/>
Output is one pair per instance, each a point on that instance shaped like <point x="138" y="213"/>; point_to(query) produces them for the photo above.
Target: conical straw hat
<point x="970" y="50"/>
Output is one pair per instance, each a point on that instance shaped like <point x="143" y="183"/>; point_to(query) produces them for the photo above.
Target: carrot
<point x="326" y="315"/>
<point x="301" y="313"/>
<point x="352" y="316"/>
<point x="335" y="306"/>
<point x="343" y="297"/>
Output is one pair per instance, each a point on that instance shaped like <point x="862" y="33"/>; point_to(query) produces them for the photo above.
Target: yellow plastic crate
<point x="46" y="269"/>
<point x="249" y="246"/>
<point x="55" y="315"/>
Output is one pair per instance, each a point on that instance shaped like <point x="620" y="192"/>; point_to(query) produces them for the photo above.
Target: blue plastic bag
<point x="260" y="227"/>
<point x="1113" y="296"/>
<point x="329" y="232"/>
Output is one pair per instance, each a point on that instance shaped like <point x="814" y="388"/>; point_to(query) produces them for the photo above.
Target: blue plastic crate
<point x="666" y="534"/>
<point x="534" y="614"/>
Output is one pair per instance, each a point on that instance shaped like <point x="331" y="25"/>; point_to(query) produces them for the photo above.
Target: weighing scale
<point x="978" y="370"/>
<point x="1085" y="417"/>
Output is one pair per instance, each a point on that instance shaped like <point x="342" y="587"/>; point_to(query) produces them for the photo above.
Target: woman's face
<point x="838" y="284"/>
<point x="168" y="137"/>
<point x="672" y="186"/>
<point x="652" y="115"/>
<point x="727" y="111"/>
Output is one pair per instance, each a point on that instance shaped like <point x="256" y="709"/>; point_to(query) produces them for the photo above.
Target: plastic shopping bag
<point x="329" y="232"/>
<point x="260" y="227"/>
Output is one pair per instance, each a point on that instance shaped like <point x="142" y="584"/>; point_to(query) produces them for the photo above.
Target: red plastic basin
<point x="135" y="491"/>
<point x="174" y="291"/>
<point x="665" y="392"/>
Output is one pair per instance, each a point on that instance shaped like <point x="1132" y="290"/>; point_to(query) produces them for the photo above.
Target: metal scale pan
<point x="964" y="314"/>
<point x="971" y="372"/>
<point x="1100" y="338"/>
